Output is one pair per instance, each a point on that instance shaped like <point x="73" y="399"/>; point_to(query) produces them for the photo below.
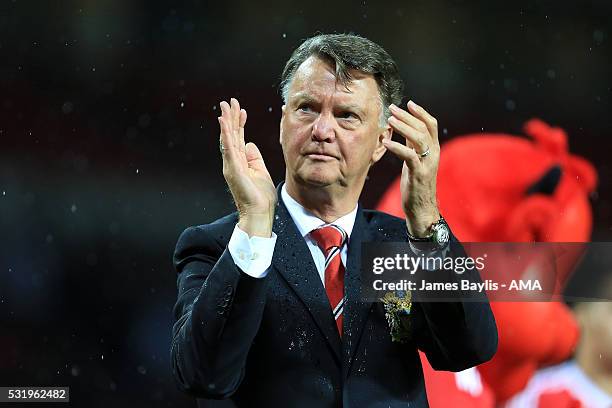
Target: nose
<point x="323" y="128"/>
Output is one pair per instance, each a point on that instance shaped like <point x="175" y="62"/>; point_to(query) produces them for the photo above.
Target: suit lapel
<point x="355" y="311"/>
<point x="293" y="260"/>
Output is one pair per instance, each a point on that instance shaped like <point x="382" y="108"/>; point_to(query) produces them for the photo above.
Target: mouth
<point x="320" y="156"/>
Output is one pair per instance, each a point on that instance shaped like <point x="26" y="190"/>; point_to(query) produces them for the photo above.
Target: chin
<point x="316" y="178"/>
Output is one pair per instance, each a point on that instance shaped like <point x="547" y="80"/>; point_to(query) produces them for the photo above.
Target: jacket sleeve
<point x="460" y="332"/>
<point x="218" y="313"/>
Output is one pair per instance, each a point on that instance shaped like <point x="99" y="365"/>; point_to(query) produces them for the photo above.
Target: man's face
<point x="596" y="330"/>
<point x="331" y="135"/>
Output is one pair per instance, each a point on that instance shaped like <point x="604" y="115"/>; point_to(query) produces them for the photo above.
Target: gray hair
<point x="349" y="52"/>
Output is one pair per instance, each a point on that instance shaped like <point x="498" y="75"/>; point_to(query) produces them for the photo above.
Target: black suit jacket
<point x="273" y="341"/>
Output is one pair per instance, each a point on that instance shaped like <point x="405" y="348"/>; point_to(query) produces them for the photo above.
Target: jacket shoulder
<point x="204" y="240"/>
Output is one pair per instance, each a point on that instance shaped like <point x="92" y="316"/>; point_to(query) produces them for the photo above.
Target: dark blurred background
<point x="108" y="147"/>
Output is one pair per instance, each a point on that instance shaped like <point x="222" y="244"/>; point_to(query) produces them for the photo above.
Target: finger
<point x="239" y="132"/>
<point x="408" y="118"/>
<point x="413" y="137"/>
<point x="431" y="122"/>
<point x="242" y="123"/>
<point x="225" y="143"/>
<point x="226" y="115"/>
<point x="403" y="152"/>
<point x="233" y="164"/>
<point x="234" y="120"/>
<point x="243" y="117"/>
<point x="235" y="105"/>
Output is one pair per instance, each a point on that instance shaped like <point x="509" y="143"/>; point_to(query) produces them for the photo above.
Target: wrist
<point x="419" y="225"/>
<point x="256" y="225"/>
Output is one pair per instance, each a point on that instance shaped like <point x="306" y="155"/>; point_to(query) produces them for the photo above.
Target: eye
<point x="304" y="108"/>
<point x="348" y="115"/>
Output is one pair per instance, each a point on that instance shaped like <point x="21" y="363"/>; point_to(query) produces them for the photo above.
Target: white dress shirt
<point x="254" y="255"/>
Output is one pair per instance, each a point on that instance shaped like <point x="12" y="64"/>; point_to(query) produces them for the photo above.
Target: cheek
<point x="606" y="328"/>
<point x="358" y="149"/>
<point x="295" y="135"/>
<point x="601" y="329"/>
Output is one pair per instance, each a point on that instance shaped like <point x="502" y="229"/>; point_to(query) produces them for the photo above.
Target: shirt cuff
<point x="253" y="255"/>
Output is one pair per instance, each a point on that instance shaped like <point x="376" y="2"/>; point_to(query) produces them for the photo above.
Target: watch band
<point x="432" y="237"/>
<point x="428" y="238"/>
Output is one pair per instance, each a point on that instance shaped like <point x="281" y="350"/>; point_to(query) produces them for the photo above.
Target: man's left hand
<point x="421" y="156"/>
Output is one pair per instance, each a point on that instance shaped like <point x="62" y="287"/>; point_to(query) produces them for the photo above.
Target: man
<point x="268" y="311"/>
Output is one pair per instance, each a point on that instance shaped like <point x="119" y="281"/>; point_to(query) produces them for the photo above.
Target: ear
<point x="380" y="149"/>
<point x="280" y="138"/>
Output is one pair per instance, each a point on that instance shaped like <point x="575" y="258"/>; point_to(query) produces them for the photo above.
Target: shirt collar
<point x="306" y="221"/>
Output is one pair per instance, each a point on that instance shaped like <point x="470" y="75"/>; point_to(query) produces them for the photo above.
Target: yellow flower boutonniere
<point x="397" y="312"/>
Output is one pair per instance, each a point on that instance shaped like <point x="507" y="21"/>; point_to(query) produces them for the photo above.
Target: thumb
<point x="253" y="156"/>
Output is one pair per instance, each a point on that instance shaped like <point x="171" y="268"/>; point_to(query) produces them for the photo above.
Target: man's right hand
<point x="245" y="173"/>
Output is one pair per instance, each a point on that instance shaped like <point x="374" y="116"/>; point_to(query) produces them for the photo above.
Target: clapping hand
<point x="246" y="174"/>
<point x="421" y="156"/>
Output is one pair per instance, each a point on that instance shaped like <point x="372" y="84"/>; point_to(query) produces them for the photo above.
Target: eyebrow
<point x="305" y="97"/>
<point x="351" y="106"/>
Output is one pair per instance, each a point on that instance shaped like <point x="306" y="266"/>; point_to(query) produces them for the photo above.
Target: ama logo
<point x="531" y="285"/>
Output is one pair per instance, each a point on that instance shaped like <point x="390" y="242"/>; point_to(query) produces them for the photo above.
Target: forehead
<point x="316" y="78"/>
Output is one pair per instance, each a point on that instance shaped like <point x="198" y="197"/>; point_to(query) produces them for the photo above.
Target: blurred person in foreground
<point x="586" y="380"/>
<point x="269" y="310"/>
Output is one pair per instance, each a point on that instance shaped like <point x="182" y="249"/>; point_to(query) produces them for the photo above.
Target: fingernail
<point x="412" y="104"/>
<point x="392" y="106"/>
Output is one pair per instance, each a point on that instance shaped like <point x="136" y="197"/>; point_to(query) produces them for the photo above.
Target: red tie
<point x="330" y="239"/>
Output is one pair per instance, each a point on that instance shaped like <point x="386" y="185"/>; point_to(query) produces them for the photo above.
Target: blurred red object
<point x="559" y="399"/>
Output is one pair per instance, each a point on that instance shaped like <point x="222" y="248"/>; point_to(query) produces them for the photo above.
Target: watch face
<point x="441" y="235"/>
